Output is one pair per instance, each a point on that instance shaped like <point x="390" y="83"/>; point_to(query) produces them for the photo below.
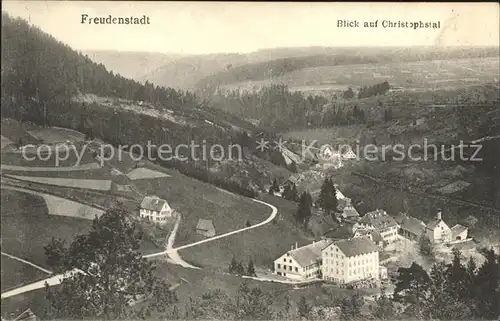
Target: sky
<point x="214" y="27"/>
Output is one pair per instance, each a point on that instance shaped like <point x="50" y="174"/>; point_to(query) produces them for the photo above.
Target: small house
<point x="410" y="227"/>
<point x="155" y="209"/>
<point x="437" y="230"/>
<point x="205" y="228"/>
<point x="459" y="232"/>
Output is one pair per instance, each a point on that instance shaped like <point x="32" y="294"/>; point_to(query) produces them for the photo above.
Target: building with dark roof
<point x="410" y="227"/>
<point x="155" y="209"/>
<point x="205" y="228"/>
<point x="380" y="221"/>
<point x="301" y="263"/>
<point x="350" y="260"/>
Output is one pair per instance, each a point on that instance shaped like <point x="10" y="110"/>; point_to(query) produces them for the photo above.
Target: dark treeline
<point x="375" y="90"/>
<point x="41" y="76"/>
<point x="277" y="107"/>
<point x="349" y="56"/>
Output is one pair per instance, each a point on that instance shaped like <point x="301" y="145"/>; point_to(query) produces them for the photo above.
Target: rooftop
<point x="379" y="219"/>
<point x="412" y="225"/>
<point x="153" y="203"/>
<point x="356" y="246"/>
<point x="308" y="254"/>
<point x="457" y="229"/>
<point x="205" y="225"/>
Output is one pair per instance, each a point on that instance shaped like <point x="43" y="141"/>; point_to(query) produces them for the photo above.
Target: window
<point x="290" y="268"/>
<point x="284" y="266"/>
<point x="284" y="260"/>
<point x="296" y="269"/>
<point x="278" y="265"/>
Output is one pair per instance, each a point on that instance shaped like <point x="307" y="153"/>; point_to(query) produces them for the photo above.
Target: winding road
<point x="170" y="251"/>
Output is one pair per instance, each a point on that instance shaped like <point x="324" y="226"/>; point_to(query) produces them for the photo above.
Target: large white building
<point x="350" y="260"/>
<point x="155" y="209"/>
<point x="301" y="263"/>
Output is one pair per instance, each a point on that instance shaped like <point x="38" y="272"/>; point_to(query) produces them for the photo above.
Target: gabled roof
<point x="205" y="225"/>
<point x="356" y="246"/>
<point x="341" y="232"/>
<point x="350" y="211"/>
<point x="457" y="229"/>
<point x="153" y="203"/>
<point x="379" y="219"/>
<point x="434" y="223"/>
<point x="413" y="225"/>
<point x="308" y="254"/>
<point x="376" y="237"/>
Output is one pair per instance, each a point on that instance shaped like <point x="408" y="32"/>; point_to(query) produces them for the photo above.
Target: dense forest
<point x="278" y="67"/>
<point x="278" y="108"/>
<point x="41" y="77"/>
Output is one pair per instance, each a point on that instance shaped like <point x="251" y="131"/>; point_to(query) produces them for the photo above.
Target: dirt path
<point x="171" y="252"/>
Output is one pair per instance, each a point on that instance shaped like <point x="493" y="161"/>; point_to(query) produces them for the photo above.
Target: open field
<point x="195" y="199"/>
<point x="27" y="227"/>
<point x="15" y="273"/>
<point x="93" y="184"/>
<point x="145" y="173"/>
<point x="262" y="245"/>
<point x="413" y="76"/>
<point x="17" y="132"/>
<point x="56" y="135"/>
<point x="48" y="160"/>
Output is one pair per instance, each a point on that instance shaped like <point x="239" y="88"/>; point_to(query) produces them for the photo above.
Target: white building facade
<point x="301" y="263"/>
<point x="155" y="209"/>
<point x="350" y="260"/>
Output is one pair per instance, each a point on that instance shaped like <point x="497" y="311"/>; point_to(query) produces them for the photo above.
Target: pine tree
<point x="412" y="290"/>
<point x="251" y="268"/>
<point x="384" y="308"/>
<point x="233" y="266"/>
<point x="304" y="308"/>
<point x="327" y="199"/>
<point x="488" y="287"/>
<point x="304" y="209"/>
<point x="240" y="269"/>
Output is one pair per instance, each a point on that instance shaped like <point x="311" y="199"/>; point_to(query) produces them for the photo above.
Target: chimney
<point x="291" y="249"/>
<point x="439" y="215"/>
<point x="296" y="245"/>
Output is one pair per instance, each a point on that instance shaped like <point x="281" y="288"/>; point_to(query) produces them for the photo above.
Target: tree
<point x="251" y="268"/>
<point x="240" y="269"/>
<point x="304" y="308"/>
<point x="384" y="308"/>
<point x="425" y="247"/>
<point x="293" y="167"/>
<point x="488" y="287"/>
<point x="350" y="307"/>
<point x="327" y="199"/>
<point x="304" y="213"/>
<point x="113" y="273"/>
<point x="55" y="252"/>
<point x="276" y="186"/>
<point x="233" y="266"/>
<point x="253" y="304"/>
<point x="413" y="290"/>
<point x="247" y="224"/>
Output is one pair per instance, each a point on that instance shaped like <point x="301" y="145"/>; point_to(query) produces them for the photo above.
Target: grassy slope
<point x="263" y="244"/>
<point x="15" y="273"/>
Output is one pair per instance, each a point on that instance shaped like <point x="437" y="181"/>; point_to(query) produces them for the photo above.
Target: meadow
<point x="413" y="76"/>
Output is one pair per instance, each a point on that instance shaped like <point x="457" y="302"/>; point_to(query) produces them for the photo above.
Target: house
<point x="459" y="232"/>
<point x="372" y="235"/>
<point x="419" y="121"/>
<point x="410" y="227"/>
<point x="383" y="223"/>
<point x="339" y="233"/>
<point x="350" y="260"/>
<point x="437" y="230"/>
<point x="205" y="227"/>
<point x="301" y="263"/>
<point x="349" y="212"/>
<point x="155" y="209"/>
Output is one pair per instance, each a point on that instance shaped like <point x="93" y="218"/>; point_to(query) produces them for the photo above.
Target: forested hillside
<point x="46" y="82"/>
<point x="279" y="67"/>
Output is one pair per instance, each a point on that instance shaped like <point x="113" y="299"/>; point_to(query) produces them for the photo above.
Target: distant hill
<point x="131" y="64"/>
<point x="337" y="57"/>
<point x="185" y="72"/>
